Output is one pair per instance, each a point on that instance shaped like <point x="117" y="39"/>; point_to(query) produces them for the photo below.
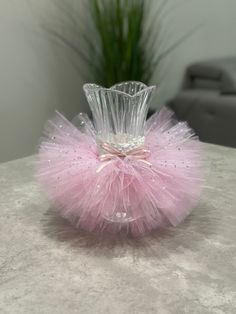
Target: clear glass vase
<point x="119" y="116"/>
<point x="119" y="113"/>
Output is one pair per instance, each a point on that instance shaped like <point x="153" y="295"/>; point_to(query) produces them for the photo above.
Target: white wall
<point x="36" y="78"/>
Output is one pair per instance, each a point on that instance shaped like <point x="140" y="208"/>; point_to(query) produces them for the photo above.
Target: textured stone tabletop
<point x="46" y="266"/>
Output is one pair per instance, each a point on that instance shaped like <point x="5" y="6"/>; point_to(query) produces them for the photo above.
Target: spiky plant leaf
<point x="125" y="42"/>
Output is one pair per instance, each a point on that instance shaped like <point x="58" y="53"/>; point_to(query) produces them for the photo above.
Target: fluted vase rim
<point x="96" y="87"/>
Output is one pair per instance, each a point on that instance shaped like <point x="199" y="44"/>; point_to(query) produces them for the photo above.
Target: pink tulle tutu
<point x="156" y="184"/>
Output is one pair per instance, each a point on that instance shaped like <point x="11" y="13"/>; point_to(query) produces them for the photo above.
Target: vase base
<point x="120" y="217"/>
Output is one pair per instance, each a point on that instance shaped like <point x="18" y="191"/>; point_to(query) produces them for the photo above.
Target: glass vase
<point x="119" y="117"/>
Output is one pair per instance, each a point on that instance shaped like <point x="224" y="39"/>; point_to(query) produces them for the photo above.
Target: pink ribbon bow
<point x="140" y="153"/>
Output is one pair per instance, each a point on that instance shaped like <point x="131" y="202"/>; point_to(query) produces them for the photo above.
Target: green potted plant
<point x="120" y="39"/>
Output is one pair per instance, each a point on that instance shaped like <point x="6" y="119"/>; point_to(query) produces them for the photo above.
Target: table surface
<point x="47" y="266"/>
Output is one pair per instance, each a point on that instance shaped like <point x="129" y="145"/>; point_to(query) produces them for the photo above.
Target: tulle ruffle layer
<point x="122" y="192"/>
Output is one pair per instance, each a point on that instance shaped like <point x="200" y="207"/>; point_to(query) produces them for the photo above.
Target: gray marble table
<point x="46" y="266"/>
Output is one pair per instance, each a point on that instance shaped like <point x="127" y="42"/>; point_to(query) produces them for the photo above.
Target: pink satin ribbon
<point x="140" y="153"/>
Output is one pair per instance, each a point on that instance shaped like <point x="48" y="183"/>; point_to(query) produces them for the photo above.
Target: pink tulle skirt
<point x="124" y="192"/>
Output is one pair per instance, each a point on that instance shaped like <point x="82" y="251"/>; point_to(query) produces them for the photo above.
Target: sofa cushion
<point x="211" y="115"/>
<point x="217" y="74"/>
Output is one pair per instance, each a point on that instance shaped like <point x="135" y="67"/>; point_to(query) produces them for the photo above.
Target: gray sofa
<point x="208" y="101"/>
